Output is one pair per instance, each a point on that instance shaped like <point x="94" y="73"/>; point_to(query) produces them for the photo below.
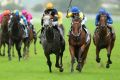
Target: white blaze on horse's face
<point x="46" y="20"/>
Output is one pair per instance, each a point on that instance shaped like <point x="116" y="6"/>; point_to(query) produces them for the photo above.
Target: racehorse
<point x="52" y="43"/>
<point x="4" y="33"/>
<point x="30" y="39"/>
<point x="16" y="35"/>
<point x="103" y="38"/>
<point x="79" y="42"/>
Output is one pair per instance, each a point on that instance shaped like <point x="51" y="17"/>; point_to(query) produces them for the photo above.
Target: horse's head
<point x="103" y="21"/>
<point x="14" y="20"/>
<point x="47" y="21"/>
<point x="76" y="26"/>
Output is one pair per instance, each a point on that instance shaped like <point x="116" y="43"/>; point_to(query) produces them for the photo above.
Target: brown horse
<point x="16" y="35"/>
<point x="5" y="34"/>
<point x="79" y="42"/>
<point x="103" y="38"/>
<point x="30" y="39"/>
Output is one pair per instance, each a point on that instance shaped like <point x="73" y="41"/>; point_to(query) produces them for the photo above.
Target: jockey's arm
<point x="97" y="20"/>
<point x="24" y="20"/>
<point x="83" y="18"/>
<point x="69" y="15"/>
<point x="109" y="19"/>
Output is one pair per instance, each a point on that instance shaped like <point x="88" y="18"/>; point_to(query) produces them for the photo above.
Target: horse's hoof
<point x="107" y="66"/>
<point x="98" y="60"/>
<point x="72" y="70"/>
<point x="35" y="53"/>
<point x="57" y="66"/>
<point x="3" y="55"/>
<point x="61" y="69"/>
<point x="50" y="71"/>
<point x="78" y="69"/>
<point x="110" y="62"/>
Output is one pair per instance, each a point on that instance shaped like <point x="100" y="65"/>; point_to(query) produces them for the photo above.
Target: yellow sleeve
<point x="69" y="15"/>
<point x="60" y="15"/>
<point x="81" y="15"/>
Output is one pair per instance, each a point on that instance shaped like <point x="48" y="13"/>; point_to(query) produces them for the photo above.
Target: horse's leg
<point x="18" y="48"/>
<point x="0" y="50"/>
<point x="48" y="61"/>
<point x="35" y="39"/>
<point x="25" y="48"/>
<point x="28" y="46"/>
<point x="61" y="64"/>
<point x="4" y="50"/>
<point x="80" y="53"/>
<point x="108" y="55"/>
<point x="13" y="54"/>
<point x="97" y="55"/>
<point x="57" y="60"/>
<point x="9" y="49"/>
<point x="71" y="48"/>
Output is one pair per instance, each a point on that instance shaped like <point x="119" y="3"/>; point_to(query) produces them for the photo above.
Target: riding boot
<point x="84" y="27"/>
<point x="87" y="33"/>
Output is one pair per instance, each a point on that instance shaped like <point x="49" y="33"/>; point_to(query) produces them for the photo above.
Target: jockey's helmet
<point x="102" y="11"/>
<point x="49" y="5"/>
<point x="24" y="12"/>
<point x="75" y="9"/>
<point x="6" y="12"/>
<point x="16" y="12"/>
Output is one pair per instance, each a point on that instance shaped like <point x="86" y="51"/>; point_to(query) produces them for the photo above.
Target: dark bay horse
<point x="51" y="42"/>
<point x="16" y="35"/>
<point x="103" y="39"/>
<point x="4" y="33"/>
<point x="79" y="42"/>
<point x="30" y="39"/>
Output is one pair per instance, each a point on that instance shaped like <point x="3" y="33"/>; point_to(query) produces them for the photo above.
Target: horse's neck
<point x="49" y="34"/>
<point x="103" y="33"/>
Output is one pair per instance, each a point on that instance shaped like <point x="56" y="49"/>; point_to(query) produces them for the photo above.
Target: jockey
<point x="54" y="13"/>
<point x="22" y="20"/>
<point x="76" y="12"/>
<point x="29" y="20"/>
<point x="109" y="19"/>
<point x="5" y="13"/>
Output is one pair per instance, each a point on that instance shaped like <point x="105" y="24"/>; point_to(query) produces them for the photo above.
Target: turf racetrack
<point x="35" y="67"/>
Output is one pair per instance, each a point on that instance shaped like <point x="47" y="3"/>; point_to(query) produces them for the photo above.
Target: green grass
<point x="35" y="68"/>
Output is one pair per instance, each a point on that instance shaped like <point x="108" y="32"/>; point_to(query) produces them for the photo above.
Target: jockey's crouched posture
<point x="75" y="12"/>
<point x="22" y="21"/>
<point x="5" y="13"/>
<point x="102" y="11"/>
<point x="29" y="18"/>
<point x="54" y="14"/>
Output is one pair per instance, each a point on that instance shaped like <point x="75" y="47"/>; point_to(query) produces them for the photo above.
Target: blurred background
<point x="87" y="6"/>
